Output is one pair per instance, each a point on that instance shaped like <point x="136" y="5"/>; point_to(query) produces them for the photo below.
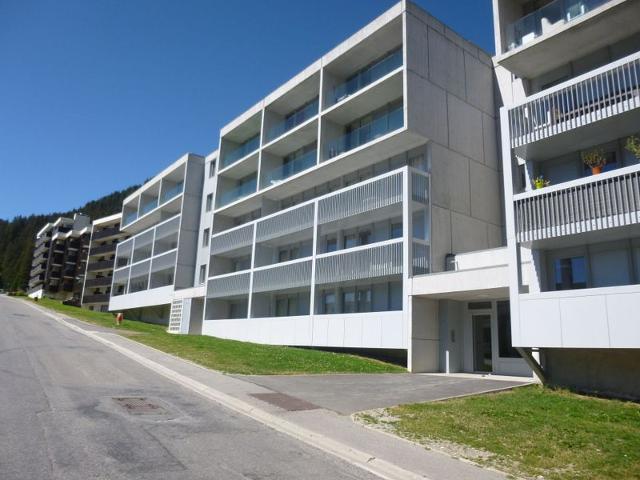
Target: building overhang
<point x="603" y="26"/>
<point x="479" y="275"/>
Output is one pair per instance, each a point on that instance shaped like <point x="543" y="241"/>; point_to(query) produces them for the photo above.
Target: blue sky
<point x="97" y="95"/>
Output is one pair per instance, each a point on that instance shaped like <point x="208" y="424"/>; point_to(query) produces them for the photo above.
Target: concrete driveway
<point x="347" y="394"/>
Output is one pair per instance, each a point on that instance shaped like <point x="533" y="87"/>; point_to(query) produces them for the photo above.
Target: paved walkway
<point x="314" y="413"/>
<point x="346" y="394"/>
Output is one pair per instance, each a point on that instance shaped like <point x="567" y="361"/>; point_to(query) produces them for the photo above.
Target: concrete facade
<point x="358" y="206"/>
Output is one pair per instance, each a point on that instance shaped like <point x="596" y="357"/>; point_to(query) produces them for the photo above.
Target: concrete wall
<point x="357" y="330"/>
<point x="206" y="219"/>
<point x="602" y="371"/>
<point x="158" y="314"/>
<point x="450" y="91"/>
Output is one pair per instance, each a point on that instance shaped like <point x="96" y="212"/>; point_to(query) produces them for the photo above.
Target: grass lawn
<point x="531" y="431"/>
<point x="229" y="355"/>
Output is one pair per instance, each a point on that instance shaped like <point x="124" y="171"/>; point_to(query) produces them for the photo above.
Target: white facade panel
<point x="587" y="318"/>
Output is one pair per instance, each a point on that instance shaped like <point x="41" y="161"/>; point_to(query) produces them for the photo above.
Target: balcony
<point x="599" y="202"/>
<point x="563" y="31"/>
<point x="291" y="168"/>
<point x="293" y="120"/>
<point x="97" y="298"/>
<point x="229" y="285"/>
<point x="293" y="274"/>
<point x="607" y="92"/>
<point x="129" y="217"/>
<point x="41" y="249"/>
<point x="101" y="265"/>
<point x="368" y="75"/>
<point x="170" y="193"/>
<point x="231" y="240"/>
<point x="148" y="206"/>
<point x="36" y="280"/>
<point x="97" y="282"/>
<point x="236" y="193"/>
<point x="368" y="261"/>
<point x="238" y="153"/>
<point x="393" y="120"/>
<point x="102" y="249"/>
<point x="42" y="258"/>
<point x="106" y="233"/>
<point x="547" y="19"/>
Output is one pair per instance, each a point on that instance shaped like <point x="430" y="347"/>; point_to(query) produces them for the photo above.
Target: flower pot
<point x="596" y="170"/>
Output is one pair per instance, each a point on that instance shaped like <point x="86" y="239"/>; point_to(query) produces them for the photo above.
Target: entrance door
<point x="482" y="342"/>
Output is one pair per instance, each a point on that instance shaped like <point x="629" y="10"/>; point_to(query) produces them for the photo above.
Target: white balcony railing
<point x="291" y="221"/>
<point x="292" y="275"/>
<point x="611" y="199"/>
<point x="229" y="285"/>
<point x="232" y="240"/>
<point x="368" y="261"/>
<point x="368" y="196"/>
<point x="599" y="94"/>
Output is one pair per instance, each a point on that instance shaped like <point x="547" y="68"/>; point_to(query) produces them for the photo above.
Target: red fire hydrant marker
<point x="119" y="318"/>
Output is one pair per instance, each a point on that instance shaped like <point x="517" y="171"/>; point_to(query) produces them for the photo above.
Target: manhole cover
<point x="139" y="406"/>
<point x="284" y="401"/>
<point x="19" y="315"/>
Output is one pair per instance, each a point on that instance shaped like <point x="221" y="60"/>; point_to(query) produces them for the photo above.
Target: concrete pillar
<point x="424" y="343"/>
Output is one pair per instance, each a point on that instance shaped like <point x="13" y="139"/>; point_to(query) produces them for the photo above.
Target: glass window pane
<point x="570" y="273"/>
<point x="505" y="349"/>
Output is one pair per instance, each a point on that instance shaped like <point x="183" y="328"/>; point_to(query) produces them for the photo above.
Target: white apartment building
<point x="343" y="195"/>
<point x="569" y="79"/>
<point x="358" y="206"/>
<point x="155" y="271"/>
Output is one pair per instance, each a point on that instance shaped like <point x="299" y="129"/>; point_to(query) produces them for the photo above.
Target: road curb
<point x="358" y="458"/>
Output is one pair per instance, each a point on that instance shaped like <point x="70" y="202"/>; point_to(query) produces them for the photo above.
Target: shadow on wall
<point x="158" y="315"/>
<point x="604" y="372"/>
<point x="395" y="356"/>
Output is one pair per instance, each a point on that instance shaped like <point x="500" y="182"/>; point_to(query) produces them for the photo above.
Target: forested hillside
<point x="18" y="235"/>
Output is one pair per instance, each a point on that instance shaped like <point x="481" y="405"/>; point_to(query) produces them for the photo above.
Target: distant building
<point x="105" y="235"/>
<point x="59" y="258"/>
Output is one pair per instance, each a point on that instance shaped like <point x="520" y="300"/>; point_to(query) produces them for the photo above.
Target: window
<point x="505" y="347"/>
<point x="238" y="310"/>
<point x="364" y="237"/>
<point x="205" y="237"/>
<point x="570" y="273"/>
<point x="332" y="244"/>
<point x="209" y="202"/>
<point x="328" y="302"/>
<point x="212" y="168"/>
<point x="364" y="299"/>
<point x="281" y="307"/>
<point x="203" y="274"/>
<point x="349" y="301"/>
<point x="242" y="263"/>
<point x="396" y="230"/>
<point x="283" y="255"/>
<point x="350" y="241"/>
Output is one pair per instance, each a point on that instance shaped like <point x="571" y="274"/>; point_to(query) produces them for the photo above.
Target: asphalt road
<point x="59" y="419"/>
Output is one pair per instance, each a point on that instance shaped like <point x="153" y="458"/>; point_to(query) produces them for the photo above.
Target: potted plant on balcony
<point x="540" y="182"/>
<point x="633" y="146"/>
<point x="595" y="160"/>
